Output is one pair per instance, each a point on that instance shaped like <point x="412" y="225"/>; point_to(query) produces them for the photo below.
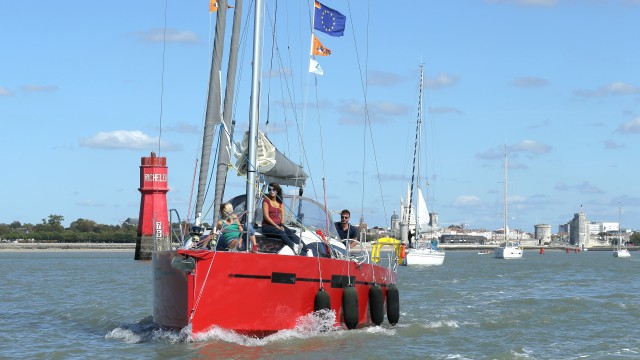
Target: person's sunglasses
<point x="272" y="189"/>
<point x="344" y="217"/>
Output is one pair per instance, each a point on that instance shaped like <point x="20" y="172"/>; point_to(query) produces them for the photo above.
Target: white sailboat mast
<point x="619" y="227"/>
<point x="506" y="227"/>
<point x="254" y="111"/>
<point x="421" y="205"/>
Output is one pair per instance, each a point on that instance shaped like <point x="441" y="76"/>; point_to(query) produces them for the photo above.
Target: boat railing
<point x="361" y="255"/>
<point x="394" y="256"/>
<point x="177" y="234"/>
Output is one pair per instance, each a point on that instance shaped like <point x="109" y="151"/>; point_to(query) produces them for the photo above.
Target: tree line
<point x="81" y="230"/>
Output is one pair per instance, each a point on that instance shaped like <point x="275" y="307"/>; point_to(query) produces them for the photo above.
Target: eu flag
<point x="328" y="20"/>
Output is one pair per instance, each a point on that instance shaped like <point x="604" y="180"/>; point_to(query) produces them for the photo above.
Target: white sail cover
<point x="272" y="164"/>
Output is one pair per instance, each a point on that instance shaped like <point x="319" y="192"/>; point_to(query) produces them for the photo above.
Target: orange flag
<point x="318" y="48"/>
<point x="213" y="5"/>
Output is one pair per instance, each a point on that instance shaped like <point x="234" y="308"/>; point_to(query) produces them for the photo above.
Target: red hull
<point x="256" y="294"/>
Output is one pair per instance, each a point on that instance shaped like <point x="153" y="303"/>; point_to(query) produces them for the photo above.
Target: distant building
<point x="433" y="220"/>
<point x="395" y="222"/>
<point x="579" y="230"/>
<point x="542" y="233"/>
<point x="22" y="230"/>
<point x="462" y="239"/>
<point x="363" y="224"/>
<point x="596" y="228"/>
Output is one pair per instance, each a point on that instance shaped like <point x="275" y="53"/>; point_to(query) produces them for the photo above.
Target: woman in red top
<point x="273" y="219"/>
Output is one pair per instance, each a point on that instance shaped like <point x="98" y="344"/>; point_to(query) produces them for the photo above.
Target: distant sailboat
<point x="510" y="249"/>
<point x="621" y="251"/>
<point x="425" y="251"/>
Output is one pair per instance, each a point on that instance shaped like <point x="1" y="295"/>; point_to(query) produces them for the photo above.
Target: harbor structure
<point x="395" y="223"/>
<point x="542" y="233"/>
<point x="433" y="220"/>
<point x="153" y="224"/>
<point x="579" y="230"/>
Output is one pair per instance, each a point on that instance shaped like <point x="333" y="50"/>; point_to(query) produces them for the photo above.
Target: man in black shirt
<point x="345" y="230"/>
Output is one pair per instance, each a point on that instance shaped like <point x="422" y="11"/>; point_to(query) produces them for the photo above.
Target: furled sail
<point x="272" y="164"/>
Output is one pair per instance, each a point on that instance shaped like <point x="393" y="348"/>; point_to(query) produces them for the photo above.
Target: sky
<point x="88" y="88"/>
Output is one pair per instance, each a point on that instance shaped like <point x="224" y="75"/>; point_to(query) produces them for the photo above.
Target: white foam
<point x="441" y="324"/>
<point x="312" y="325"/>
<point x="124" y="335"/>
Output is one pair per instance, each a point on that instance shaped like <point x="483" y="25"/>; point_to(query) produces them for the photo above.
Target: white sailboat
<point x="510" y="249"/>
<point x="425" y="251"/>
<point x="621" y="251"/>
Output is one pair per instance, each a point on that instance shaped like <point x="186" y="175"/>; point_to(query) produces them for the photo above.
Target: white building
<point x="596" y="228"/>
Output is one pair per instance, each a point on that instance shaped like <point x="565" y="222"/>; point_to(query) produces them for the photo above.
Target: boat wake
<point x="318" y="324"/>
<point x="146" y="330"/>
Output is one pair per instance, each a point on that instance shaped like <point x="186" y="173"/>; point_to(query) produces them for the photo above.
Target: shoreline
<point x="35" y="246"/>
<point x="126" y="247"/>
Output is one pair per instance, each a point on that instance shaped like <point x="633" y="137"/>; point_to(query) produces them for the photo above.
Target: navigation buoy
<point x="322" y="300"/>
<point x="350" y="307"/>
<point x="567" y="250"/>
<point x="541" y="250"/>
<point x="376" y="304"/>
<point x="393" y="304"/>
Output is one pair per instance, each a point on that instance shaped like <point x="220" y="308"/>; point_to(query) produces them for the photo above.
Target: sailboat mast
<point x="619" y="227"/>
<point x="256" y="68"/>
<point x="214" y="105"/>
<point x="415" y="155"/>
<point x="224" y="153"/>
<point x="506" y="229"/>
<point x="419" y="145"/>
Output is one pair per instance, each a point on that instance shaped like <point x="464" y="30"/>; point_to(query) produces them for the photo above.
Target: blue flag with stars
<point x="328" y="20"/>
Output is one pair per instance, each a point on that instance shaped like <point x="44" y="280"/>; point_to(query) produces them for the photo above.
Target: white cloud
<point x="40" y="88"/>
<point x="122" y="139"/>
<point x="610" y="144"/>
<point x="382" y="78"/>
<point x="525" y="146"/>
<point x="587" y="188"/>
<point x="466" y="200"/>
<point x="171" y="35"/>
<point x="529" y="82"/>
<point x="379" y="112"/>
<point x="621" y="88"/>
<point x="183" y="128"/>
<point x="441" y="81"/>
<point x="491" y="154"/>
<point x="630" y="127"/>
<point x="444" y="110"/>
<point x="615" y="88"/>
<point x="5" y="92"/>
<point x="530" y="146"/>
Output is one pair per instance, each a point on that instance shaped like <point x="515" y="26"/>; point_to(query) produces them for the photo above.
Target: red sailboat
<point x="261" y="293"/>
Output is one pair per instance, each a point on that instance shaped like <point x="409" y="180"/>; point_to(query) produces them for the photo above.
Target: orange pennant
<point x="213" y="5"/>
<point x="318" y="48"/>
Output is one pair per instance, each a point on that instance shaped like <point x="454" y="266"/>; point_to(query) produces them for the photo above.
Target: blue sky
<point x="83" y="97"/>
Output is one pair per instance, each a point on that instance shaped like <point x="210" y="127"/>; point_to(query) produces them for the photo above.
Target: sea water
<point x="78" y="305"/>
